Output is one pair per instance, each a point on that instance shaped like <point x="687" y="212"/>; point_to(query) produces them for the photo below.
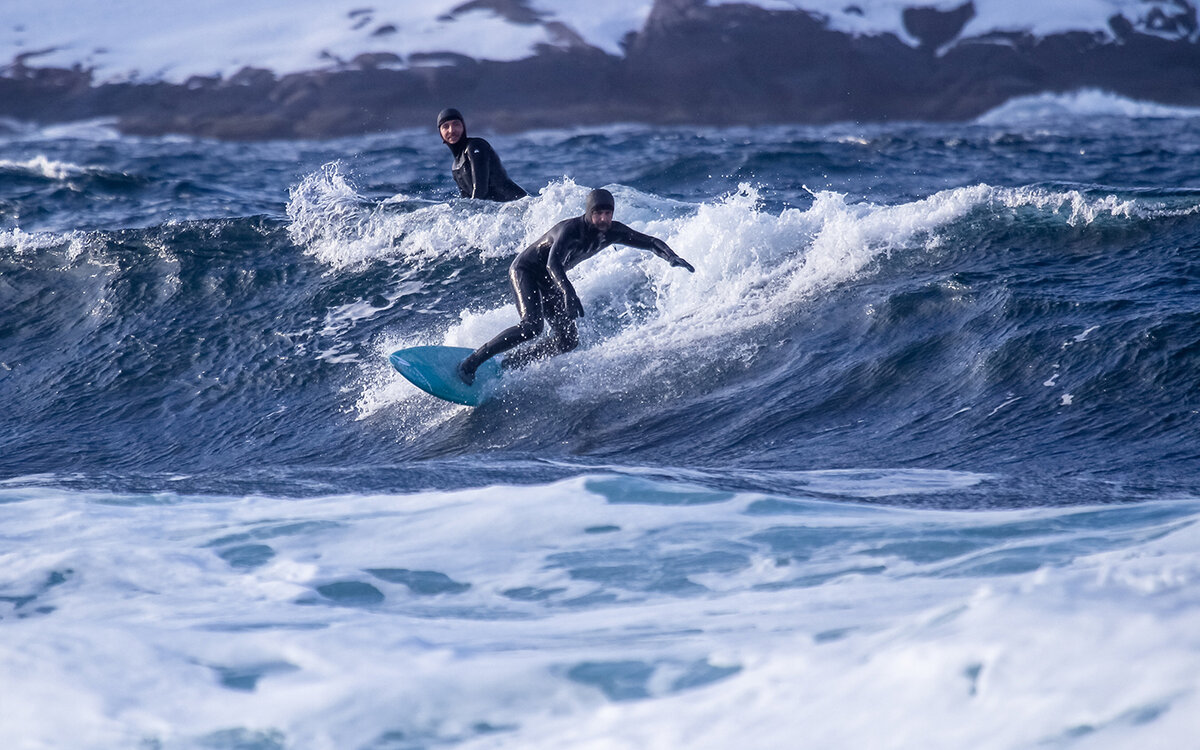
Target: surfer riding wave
<point x="543" y="292"/>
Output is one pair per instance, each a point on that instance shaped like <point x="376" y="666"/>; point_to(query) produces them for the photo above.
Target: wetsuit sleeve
<point x="480" y="153"/>
<point x="623" y="235"/>
<point x="558" y="272"/>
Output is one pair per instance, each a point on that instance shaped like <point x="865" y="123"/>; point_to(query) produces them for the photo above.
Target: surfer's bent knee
<point x="530" y="328"/>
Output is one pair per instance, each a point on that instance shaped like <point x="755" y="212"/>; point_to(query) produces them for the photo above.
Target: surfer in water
<point x="477" y="169"/>
<point x="544" y="294"/>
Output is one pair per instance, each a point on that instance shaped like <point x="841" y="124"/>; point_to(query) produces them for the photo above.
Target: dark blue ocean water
<point x="162" y="314"/>
<point x="911" y="460"/>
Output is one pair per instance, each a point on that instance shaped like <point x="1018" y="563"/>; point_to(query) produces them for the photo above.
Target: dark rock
<point x="516" y="11"/>
<point x="372" y="60"/>
<point x="252" y="77"/>
<point x="933" y="27"/>
<point x="1121" y="27"/>
<point x="202" y="82"/>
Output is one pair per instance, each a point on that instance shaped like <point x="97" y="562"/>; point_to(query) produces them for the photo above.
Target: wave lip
<point x="44" y="167"/>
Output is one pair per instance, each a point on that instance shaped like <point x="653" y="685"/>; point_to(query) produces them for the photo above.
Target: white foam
<point x="45" y="167"/>
<point x="1080" y="104"/>
<point x="21" y="242"/>
<point x="1081" y="209"/>
<point x="337" y="225"/>
<point x="129" y="647"/>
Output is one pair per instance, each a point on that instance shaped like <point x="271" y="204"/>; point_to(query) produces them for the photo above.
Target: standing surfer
<point x="477" y="169"/>
<point x="544" y="294"/>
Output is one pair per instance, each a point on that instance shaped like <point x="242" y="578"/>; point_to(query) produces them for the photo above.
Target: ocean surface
<point x="911" y="461"/>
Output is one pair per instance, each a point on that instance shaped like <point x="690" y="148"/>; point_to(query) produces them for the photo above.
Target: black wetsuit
<point x="544" y="294"/>
<point x="479" y="173"/>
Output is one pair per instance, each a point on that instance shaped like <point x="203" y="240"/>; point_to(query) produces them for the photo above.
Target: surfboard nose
<point x="434" y="369"/>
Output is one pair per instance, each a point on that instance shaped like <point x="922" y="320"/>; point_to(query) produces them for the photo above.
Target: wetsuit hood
<point x="447" y="115"/>
<point x="599" y="199"/>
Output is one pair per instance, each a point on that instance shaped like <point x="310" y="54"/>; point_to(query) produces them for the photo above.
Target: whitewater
<point x="910" y="460"/>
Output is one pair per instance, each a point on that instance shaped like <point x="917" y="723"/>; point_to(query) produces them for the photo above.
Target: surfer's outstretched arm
<point x="634" y="238"/>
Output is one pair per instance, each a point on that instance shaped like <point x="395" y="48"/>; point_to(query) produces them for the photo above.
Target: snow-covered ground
<point x="1036" y="17"/>
<point x="143" y="40"/>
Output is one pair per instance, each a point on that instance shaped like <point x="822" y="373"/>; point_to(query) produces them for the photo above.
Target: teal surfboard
<point x="434" y="369"/>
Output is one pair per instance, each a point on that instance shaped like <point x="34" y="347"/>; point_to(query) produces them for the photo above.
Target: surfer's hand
<point x="574" y="307"/>
<point x="678" y="262"/>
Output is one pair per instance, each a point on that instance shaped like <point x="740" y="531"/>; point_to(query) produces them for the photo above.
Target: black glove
<point x="678" y="262"/>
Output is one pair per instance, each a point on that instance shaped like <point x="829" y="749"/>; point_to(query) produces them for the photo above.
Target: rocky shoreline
<point x="690" y="64"/>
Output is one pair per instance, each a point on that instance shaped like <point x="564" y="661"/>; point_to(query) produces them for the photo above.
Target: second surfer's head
<point x="450" y="124"/>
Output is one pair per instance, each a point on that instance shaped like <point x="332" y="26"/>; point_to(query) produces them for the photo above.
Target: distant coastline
<point x="691" y="64"/>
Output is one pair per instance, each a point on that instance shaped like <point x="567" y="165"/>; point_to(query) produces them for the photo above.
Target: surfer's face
<point x="602" y="219"/>
<point x="452" y="131"/>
